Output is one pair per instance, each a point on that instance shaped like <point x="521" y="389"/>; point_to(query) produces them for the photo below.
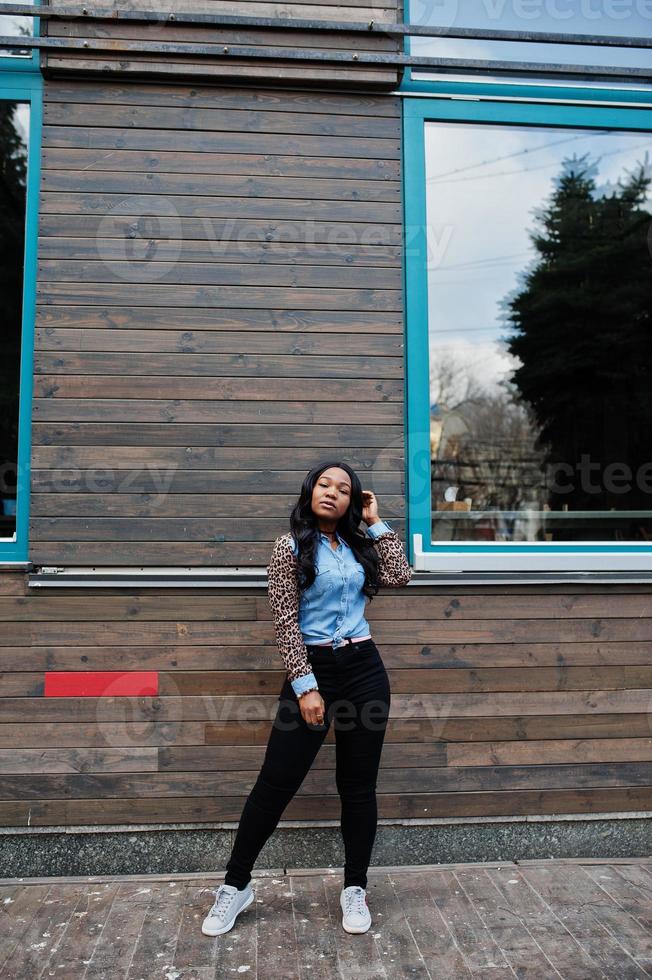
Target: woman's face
<point x="333" y="487"/>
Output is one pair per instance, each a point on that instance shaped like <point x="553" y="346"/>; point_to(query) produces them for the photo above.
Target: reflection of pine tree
<point x="582" y="323"/>
<point x="13" y="174"/>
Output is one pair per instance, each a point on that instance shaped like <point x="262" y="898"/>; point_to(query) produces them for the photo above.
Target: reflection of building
<point x="436" y="428"/>
<point x="447" y="430"/>
<point x="488" y="447"/>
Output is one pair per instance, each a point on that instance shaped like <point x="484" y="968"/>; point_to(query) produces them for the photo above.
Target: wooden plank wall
<point x="505" y="701"/>
<point x="219" y="307"/>
<point x="124" y="61"/>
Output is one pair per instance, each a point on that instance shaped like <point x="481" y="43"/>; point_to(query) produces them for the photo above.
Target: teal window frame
<point x="550" y="105"/>
<point x="21" y="81"/>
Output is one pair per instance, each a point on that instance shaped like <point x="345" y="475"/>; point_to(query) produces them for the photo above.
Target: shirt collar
<point x="337" y="535"/>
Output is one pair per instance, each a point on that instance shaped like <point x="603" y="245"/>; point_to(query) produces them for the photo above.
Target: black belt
<point x="329" y="646"/>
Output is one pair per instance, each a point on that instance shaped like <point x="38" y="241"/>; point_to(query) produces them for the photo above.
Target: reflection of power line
<point x="481" y="359"/>
<point x="456" y="330"/>
<point x="451" y="348"/>
<point x="481" y="461"/>
<point x="465" y="282"/>
<point x="516" y="153"/>
<point x="542" y="166"/>
<point x="476" y="468"/>
<point x="495" y="484"/>
<point x="509" y="259"/>
<point x="495" y="477"/>
<point x="448" y="349"/>
<point x="499" y="444"/>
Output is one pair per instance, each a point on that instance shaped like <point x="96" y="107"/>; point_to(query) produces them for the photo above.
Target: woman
<point x="319" y="578"/>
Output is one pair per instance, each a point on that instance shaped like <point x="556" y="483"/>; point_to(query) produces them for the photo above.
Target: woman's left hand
<point x="369" y="507"/>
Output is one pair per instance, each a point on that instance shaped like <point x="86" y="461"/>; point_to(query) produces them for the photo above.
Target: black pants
<point x="355" y="687"/>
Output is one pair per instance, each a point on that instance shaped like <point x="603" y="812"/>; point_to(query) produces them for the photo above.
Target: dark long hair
<point x="304" y="526"/>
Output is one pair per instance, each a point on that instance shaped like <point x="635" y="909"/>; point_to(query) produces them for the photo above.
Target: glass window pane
<point x="12" y="25"/>
<point x="623" y="18"/>
<point x="540" y="318"/>
<point x="14" y="130"/>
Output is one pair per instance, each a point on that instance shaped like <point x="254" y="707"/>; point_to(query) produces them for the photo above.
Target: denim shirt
<point x="332" y="608"/>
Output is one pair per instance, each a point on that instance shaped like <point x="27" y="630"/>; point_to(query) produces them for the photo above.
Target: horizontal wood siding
<point x="532" y="700"/>
<point x="219" y="307"/>
<point x="123" y="44"/>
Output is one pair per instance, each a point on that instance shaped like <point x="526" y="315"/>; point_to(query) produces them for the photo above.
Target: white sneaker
<point x="356" y="917"/>
<point x="229" y="902"/>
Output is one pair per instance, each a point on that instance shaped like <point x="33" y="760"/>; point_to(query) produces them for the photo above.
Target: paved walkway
<point x="576" y="919"/>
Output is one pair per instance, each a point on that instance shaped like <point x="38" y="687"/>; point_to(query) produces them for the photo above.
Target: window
<point x="20" y="128"/>
<point x="13" y="25"/>
<point x="628" y="20"/>
<point x="528" y="262"/>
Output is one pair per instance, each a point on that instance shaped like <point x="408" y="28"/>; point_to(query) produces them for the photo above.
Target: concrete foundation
<point x="39" y="852"/>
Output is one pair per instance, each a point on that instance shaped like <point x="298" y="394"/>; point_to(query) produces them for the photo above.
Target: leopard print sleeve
<point x="393" y="566"/>
<point x="283" y="594"/>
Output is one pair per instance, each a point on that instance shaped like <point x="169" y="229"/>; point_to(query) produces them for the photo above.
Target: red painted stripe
<point x="100" y="683"/>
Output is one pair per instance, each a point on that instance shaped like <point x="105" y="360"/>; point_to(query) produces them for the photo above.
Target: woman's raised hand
<point x="369" y="507"/>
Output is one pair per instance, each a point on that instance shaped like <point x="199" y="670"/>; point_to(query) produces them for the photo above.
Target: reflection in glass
<point x="14" y="127"/>
<point x="12" y="25"/>
<point x="625" y="18"/>
<point x="540" y="323"/>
